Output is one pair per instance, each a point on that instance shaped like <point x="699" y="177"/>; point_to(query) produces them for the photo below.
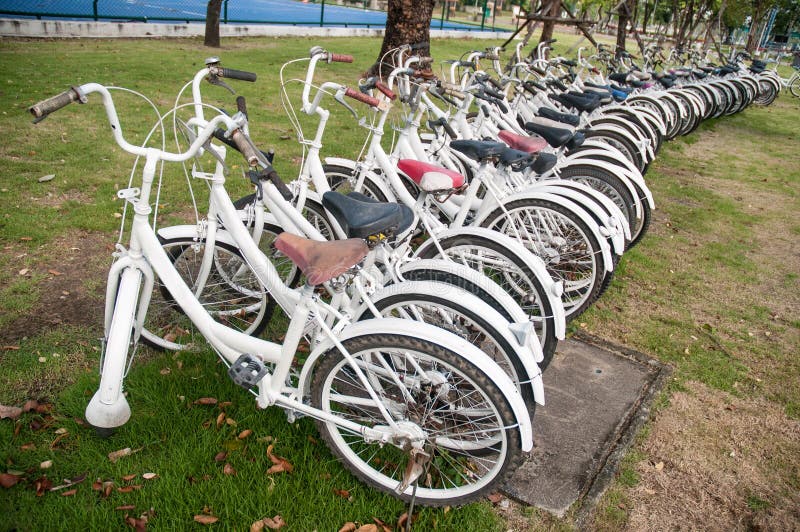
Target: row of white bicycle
<point x="431" y="282"/>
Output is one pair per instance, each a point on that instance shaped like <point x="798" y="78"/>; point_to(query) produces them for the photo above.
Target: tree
<point x="212" y="23"/>
<point x="407" y="22"/>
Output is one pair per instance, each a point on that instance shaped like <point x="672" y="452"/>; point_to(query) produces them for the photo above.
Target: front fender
<point x="426" y="332"/>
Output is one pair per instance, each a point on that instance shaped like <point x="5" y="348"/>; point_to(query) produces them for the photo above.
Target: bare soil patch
<point x="75" y="266"/>
<point x="718" y="463"/>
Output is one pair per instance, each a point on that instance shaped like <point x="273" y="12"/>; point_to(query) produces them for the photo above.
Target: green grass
<point x="663" y="276"/>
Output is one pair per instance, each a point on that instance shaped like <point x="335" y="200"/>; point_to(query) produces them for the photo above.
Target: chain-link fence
<point x="449" y="14"/>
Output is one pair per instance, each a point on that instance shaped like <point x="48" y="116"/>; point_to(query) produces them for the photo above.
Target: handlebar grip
<point x="467" y="64"/>
<point x="420" y="45"/>
<point x="449" y="130"/>
<point x="385" y="90"/>
<point x="241" y="75"/>
<point x="569" y="62"/>
<point x="494" y="93"/>
<point x="425" y="60"/>
<point x="340" y="58"/>
<point x="550" y="41"/>
<point x="494" y="83"/>
<point x="246" y="147"/>
<point x="241" y="105"/>
<point x="539" y="71"/>
<point x="361" y="97"/>
<point x="52" y="104"/>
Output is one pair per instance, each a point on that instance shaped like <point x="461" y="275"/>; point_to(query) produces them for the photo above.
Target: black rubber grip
<point x="550" y="41"/>
<point x="494" y="82"/>
<point x="500" y="104"/>
<point x="276" y="180"/>
<point x="467" y="64"/>
<point x="45" y="107"/>
<point x="569" y="62"/>
<point x="494" y="93"/>
<point x="241" y="75"/>
<point x="539" y="71"/>
<point x="241" y="105"/>
<point x="449" y="130"/>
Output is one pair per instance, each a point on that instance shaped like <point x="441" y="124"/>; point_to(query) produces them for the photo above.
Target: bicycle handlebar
<point x="45" y="107"/>
<point x="231" y="73"/>
<point x="55" y="103"/>
<point x="361" y="97"/>
<point x="386" y="91"/>
<point x="339" y="58"/>
<point x="241" y="105"/>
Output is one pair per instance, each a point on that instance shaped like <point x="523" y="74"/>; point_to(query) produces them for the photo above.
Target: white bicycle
<point x="383" y="391"/>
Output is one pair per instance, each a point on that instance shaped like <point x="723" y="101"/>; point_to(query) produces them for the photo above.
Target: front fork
<point x="130" y="284"/>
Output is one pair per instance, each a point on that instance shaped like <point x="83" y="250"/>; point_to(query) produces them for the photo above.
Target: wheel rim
<point x="464" y="430"/>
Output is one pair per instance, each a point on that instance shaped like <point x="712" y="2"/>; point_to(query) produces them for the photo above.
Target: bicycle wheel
<point x="512" y="275"/>
<point x="606" y="183"/>
<point x="232" y="294"/>
<point x="794" y="88"/>
<point x="453" y="310"/>
<point x="563" y="241"/>
<point x="341" y="180"/>
<point x="461" y="416"/>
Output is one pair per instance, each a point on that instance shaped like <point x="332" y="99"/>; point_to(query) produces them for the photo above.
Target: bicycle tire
<point x="508" y="271"/>
<point x="581" y="273"/>
<point x="606" y="183"/>
<point x="460" y="320"/>
<point x="794" y="88"/>
<point x="464" y="418"/>
<point x="243" y="304"/>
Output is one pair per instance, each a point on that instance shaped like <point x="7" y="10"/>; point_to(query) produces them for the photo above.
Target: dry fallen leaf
<point x="128" y="478"/>
<point x="139" y="525"/>
<point x="10" y="348"/>
<point x="401" y="521"/>
<point x="495" y="497"/>
<point x="116" y="455"/>
<point x="342" y="493"/>
<point x="348" y="527"/>
<point x="42" y="485"/>
<point x="11" y="412"/>
<point x="206" y="401"/>
<point x="220" y="419"/>
<point x="54" y="272"/>
<point x="128" y="489"/>
<point x="660" y="466"/>
<point x="206" y="519"/>
<point x="47" y="464"/>
<point x="274" y="523"/>
<point x="382" y="525"/>
<point x="228" y="470"/>
<point x="24" y="271"/>
<point x="369" y="527"/>
<point x="244" y="434"/>
<point x="258" y="526"/>
<point x="281" y="464"/>
<point x="220" y="456"/>
<point x="7" y="480"/>
<point x="165" y="371"/>
<point x="149" y="476"/>
<point x="126" y="507"/>
<point x="70" y="493"/>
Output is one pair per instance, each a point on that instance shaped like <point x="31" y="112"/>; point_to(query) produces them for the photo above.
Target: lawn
<point x="712" y="290"/>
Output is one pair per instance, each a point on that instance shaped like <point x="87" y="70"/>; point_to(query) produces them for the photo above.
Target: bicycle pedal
<point x="247" y="371"/>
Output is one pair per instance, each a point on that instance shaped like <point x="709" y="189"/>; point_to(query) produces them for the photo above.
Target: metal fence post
<point x="483" y="15"/>
<point x="94" y="9"/>
<point x="441" y="21"/>
<point x="322" y="14"/>
<point x="225" y="16"/>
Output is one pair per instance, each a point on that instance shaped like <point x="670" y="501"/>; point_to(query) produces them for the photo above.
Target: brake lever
<point x="214" y="80"/>
<point x="339" y="97"/>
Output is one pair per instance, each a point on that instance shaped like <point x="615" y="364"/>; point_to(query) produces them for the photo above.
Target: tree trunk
<point x="647" y="12"/>
<point x="407" y="22"/>
<point x="212" y="23"/>
<point x="622" y="26"/>
<point x="553" y="10"/>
